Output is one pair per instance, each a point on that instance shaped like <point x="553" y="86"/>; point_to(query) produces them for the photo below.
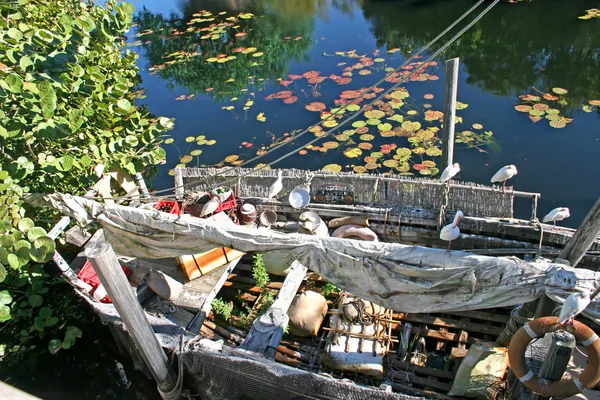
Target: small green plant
<point x="329" y="288"/>
<point x="222" y="308"/>
<point x="259" y="272"/>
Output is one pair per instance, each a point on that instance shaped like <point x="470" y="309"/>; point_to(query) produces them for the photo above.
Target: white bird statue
<point x="573" y="305"/>
<point x="504" y="174"/>
<point x="558" y="214"/>
<point x="276" y="186"/>
<point x="451" y="231"/>
<point x="449" y="172"/>
<point x="210" y="207"/>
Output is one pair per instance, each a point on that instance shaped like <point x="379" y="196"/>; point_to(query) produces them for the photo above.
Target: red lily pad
<point x="316" y="106"/>
<point x="290" y="100"/>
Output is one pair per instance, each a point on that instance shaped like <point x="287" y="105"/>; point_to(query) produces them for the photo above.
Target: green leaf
<point x="45" y="35"/>
<point x="45" y="312"/>
<point x="51" y="321"/>
<point x="65" y="163"/>
<point x="14" y="82"/>
<point x="47" y="98"/>
<point x="25" y="224"/>
<point x="85" y="22"/>
<point x="4" y="313"/>
<point x="54" y="346"/>
<point x="25" y="62"/>
<point x="2" y="273"/>
<point x="124" y="104"/>
<point x="15" y="34"/>
<point x="7" y="240"/>
<point x="35" y="233"/>
<point x="35" y="300"/>
<point x="5" y="297"/>
<point x="13" y="261"/>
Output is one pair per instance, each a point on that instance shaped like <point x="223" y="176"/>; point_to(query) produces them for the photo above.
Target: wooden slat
<point x="422" y="370"/>
<point x="206" y="306"/>
<point x="436" y="385"/>
<point x="482" y="315"/>
<point x="450" y="323"/>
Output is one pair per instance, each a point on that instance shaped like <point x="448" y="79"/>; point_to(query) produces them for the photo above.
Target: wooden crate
<point x="200" y="264"/>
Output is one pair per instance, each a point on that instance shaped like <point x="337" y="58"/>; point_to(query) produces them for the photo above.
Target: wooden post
<point x="109" y="270"/>
<point x="557" y="359"/>
<point x="266" y="332"/>
<point x="449" y="112"/>
<point x="581" y="241"/>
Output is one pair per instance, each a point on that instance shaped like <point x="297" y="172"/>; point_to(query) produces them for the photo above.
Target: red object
<point x="175" y="209"/>
<point x="89" y="276"/>
<point x="228" y="204"/>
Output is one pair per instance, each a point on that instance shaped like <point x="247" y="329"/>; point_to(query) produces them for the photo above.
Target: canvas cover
<point x="401" y="277"/>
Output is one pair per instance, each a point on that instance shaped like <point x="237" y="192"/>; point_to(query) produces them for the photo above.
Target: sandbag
<point x="163" y="285"/>
<point x="307" y="313"/>
<point x="481" y="372"/>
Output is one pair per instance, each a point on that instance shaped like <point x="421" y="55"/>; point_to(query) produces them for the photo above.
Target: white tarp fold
<point x="400" y="277"/>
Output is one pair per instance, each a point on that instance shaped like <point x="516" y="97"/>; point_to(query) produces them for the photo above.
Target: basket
<point x="175" y="209"/>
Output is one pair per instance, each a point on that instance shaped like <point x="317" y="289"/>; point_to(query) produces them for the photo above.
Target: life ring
<point x="565" y="387"/>
<point x="355" y="231"/>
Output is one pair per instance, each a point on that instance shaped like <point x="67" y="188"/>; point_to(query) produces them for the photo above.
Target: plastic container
<point x="299" y="198"/>
<point x="224" y="196"/>
<point x="89" y="276"/>
<point x="172" y="206"/>
<point x="228" y="204"/>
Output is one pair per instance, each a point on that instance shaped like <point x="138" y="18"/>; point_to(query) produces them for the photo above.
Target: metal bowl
<point x="299" y="198"/>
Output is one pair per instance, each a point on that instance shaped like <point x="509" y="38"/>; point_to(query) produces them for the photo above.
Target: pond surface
<point x="515" y="50"/>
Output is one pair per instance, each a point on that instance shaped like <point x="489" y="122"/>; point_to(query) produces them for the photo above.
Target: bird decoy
<point x="573" y="306"/>
<point x="451" y="231"/>
<point x="558" y="214"/>
<point x="210" y="207"/>
<point x="276" y="186"/>
<point x="449" y="172"/>
<point x="504" y="174"/>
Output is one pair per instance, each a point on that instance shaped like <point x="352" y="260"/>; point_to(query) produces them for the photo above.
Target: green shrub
<point x="67" y="93"/>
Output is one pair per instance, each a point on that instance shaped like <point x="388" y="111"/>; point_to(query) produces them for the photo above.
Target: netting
<point x="235" y="375"/>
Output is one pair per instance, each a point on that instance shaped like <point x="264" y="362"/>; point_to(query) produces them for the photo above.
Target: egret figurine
<point x="449" y="172"/>
<point x="451" y="231"/>
<point x="504" y="174"/>
<point x="573" y="305"/>
<point x="558" y="214"/>
<point x="210" y="207"/>
<point x="276" y="186"/>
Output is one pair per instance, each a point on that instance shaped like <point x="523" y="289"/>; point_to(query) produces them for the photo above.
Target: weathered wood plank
<point x="206" y="307"/>
<point x="420" y="370"/>
<point x="109" y="270"/>
<point x="449" y="111"/>
<point x="585" y="236"/>
<point x="266" y="332"/>
<point x="449" y="323"/>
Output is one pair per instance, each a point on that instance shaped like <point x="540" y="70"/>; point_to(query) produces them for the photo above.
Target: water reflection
<point x="178" y="49"/>
<point x="515" y="47"/>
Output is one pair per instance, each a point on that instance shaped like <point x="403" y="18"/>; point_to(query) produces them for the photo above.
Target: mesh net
<point x="231" y="374"/>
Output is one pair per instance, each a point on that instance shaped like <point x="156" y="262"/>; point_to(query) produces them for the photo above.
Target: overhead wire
<point x="341" y="109"/>
<point x="350" y="118"/>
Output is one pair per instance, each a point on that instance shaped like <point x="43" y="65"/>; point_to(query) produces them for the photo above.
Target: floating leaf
<point x="433" y="152"/>
<point x="428" y="96"/>
<point x="257" y="54"/>
<point x="540" y="106"/>
<point x="186" y="159"/>
<point x="412" y="112"/>
<point x="373" y="121"/>
<point x="302" y="152"/>
<point x="477" y="126"/>
<point x="404" y="152"/>
<point x="332" y="167"/>
<point x="461" y="106"/>
<point x="419" y="167"/>
<point x="261" y="117"/>
<point x="425" y="172"/>
<point x="370" y="159"/>
<point x="231" y="158"/>
<point x="367" y="137"/>
<point x="195" y="153"/>
<point x="388" y="133"/>
<point x="330" y="123"/>
<point x="316" y="106"/>
<point x="374" y="114"/>
<point x="558" y="123"/>
<point x="342" y="137"/>
<point x="358" y="124"/>
<point x="399" y="94"/>
<point x="359" y="169"/>
<point x="365" y="146"/>
<point x="535" y="118"/>
<point x="353" y="107"/>
<point x="595" y="103"/>
<point x="550" y="97"/>
<point x="371" y="166"/>
<point x="428" y="163"/>
<point x="523" y="108"/>
<point x="390" y="163"/>
<point x="559" y="90"/>
<point x="353" y="152"/>
<point x="535" y="112"/>
<point x="384" y="127"/>
<point x="362" y="129"/>
<point x="331" y="145"/>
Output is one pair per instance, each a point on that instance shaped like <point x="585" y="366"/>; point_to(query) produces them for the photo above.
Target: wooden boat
<point x="417" y="354"/>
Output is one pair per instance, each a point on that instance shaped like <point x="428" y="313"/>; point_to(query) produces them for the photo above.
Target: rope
<point x="431" y="58"/>
<point x="414" y="56"/>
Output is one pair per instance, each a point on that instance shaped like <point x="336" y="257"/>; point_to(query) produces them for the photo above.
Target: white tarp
<point x="400" y="277"/>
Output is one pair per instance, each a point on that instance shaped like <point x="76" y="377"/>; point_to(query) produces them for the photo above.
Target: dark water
<point x="516" y="49"/>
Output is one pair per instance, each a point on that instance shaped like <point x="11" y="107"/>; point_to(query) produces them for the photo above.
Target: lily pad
<point x="332" y="167"/>
<point x="331" y="145"/>
<point x="373" y="121"/>
<point x="404" y="152"/>
<point x="367" y="137"/>
<point x="541" y="106"/>
<point x="372" y="166"/>
<point x="359" y="169"/>
<point x="290" y="100"/>
<point x="231" y="158"/>
<point x="365" y="145"/>
<point x="535" y="112"/>
<point x="390" y="163"/>
<point x="315" y="106"/>
<point x="370" y="159"/>
<point x="595" y="103"/>
<point x="342" y="137"/>
<point x="559" y="90"/>
<point x="353" y="152"/>
<point x="558" y="123"/>
<point x="384" y="127"/>
<point x="362" y="130"/>
<point x="353" y="107"/>
<point x="330" y="123"/>
<point x="523" y="108"/>
<point x="359" y="124"/>
<point x="477" y="126"/>
<point x="433" y="152"/>
<point x="389" y="133"/>
<point x="552" y="111"/>
<point x="374" y="114"/>
<point x="428" y="163"/>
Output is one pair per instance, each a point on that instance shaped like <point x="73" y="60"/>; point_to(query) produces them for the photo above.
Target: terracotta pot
<point x="247" y="214"/>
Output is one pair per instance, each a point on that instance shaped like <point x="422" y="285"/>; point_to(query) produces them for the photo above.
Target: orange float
<point x="565" y="387"/>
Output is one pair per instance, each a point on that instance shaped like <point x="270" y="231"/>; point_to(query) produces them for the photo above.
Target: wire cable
<point x="406" y="62"/>
<point x="352" y="117"/>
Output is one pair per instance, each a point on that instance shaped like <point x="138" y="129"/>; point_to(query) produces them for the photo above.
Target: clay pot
<point x="247" y="214"/>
